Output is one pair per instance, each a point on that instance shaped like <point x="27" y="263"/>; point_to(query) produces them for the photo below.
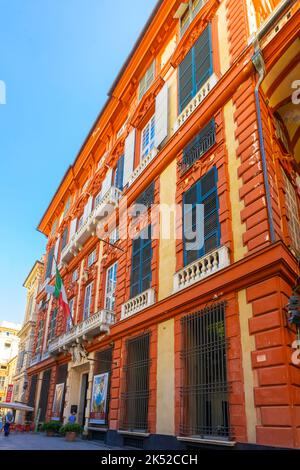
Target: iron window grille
<point x="135" y="395"/>
<point x="141" y="273"/>
<point x="204" y="390"/>
<point x="44" y="394"/>
<point x="147" y="197"/>
<point x="204" y="141"/>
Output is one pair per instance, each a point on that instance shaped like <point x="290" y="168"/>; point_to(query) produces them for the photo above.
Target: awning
<point x="16" y="406"/>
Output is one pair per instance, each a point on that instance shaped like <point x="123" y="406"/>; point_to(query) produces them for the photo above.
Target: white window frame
<point x="147" y="80"/>
<point x="293" y="213"/>
<point x="91" y="258"/>
<point x="110" y="287"/>
<point x="148" y="138"/>
<point x="75" y="275"/>
<point x="80" y="222"/>
<point x="192" y="13"/>
<point x="87" y="301"/>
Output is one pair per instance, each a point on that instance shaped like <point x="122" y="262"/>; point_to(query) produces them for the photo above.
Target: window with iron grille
<point x="44" y="394"/>
<point x="135" y="396"/>
<point x="147" y="80"/>
<point x="203" y="192"/>
<point x="147" y="196"/>
<point x="204" y="390"/>
<point x="204" y="141"/>
<point x="52" y="325"/>
<point x="195" y="69"/>
<point x="40" y="336"/>
<point x="292" y="212"/>
<point x="141" y="274"/>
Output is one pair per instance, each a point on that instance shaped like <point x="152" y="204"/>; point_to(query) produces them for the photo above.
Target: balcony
<point x="144" y="163"/>
<point x="35" y="360"/>
<point x="98" y="323"/>
<point x="108" y="202"/>
<point x="196" y="101"/>
<point x="202" y="268"/>
<point x="138" y="303"/>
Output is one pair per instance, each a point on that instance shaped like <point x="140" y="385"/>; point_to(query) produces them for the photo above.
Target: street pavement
<point x="31" y="441"/>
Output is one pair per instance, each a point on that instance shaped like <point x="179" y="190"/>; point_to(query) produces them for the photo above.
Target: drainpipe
<point x="259" y="65"/>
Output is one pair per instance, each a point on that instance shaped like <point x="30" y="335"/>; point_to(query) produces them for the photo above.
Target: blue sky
<point x="58" y="59"/>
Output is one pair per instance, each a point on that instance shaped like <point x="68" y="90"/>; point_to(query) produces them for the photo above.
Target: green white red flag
<point x="60" y="294"/>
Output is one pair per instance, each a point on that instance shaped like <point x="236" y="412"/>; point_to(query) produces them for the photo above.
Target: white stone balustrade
<point x="196" y="101"/>
<point x="201" y="268"/>
<point x="138" y="303"/>
<point x="144" y="163"/>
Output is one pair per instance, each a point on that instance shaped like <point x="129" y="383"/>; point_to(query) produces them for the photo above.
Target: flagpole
<point x="70" y="315"/>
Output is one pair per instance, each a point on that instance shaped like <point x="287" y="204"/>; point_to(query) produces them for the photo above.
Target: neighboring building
<point x="26" y="334"/>
<point x="9" y="342"/>
<point x="11" y="389"/>
<point x="195" y="343"/>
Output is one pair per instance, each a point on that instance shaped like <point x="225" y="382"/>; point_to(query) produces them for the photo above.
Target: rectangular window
<point x="141" y="274"/>
<point x="50" y="262"/>
<point x="292" y="213"/>
<point x="204" y="141"/>
<point x="92" y="258"/>
<point x="148" y="138"/>
<point x="135" y="396"/>
<point x="75" y="275"/>
<point x="119" y="174"/>
<point x="193" y="9"/>
<point x="110" y="291"/>
<point x="147" y="80"/>
<point x="87" y="301"/>
<point x="203" y="192"/>
<point x="195" y="69"/>
<point x="64" y="238"/>
<point x="204" y="391"/>
<point x="40" y="336"/>
<point x="52" y="325"/>
<point x="67" y="206"/>
<point x="114" y="236"/>
<point x="80" y="222"/>
<point x="72" y="312"/>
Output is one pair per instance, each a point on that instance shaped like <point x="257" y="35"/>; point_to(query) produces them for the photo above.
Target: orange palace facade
<point x="194" y="348"/>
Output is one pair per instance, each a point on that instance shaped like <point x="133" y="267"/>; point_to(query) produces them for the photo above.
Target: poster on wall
<point x="58" y="402"/>
<point x="9" y="393"/>
<point x="99" y="399"/>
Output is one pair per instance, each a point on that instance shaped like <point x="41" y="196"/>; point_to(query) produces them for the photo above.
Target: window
<point x="146" y="198"/>
<point x="87" y="301"/>
<point x="147" y="80"/>
<point x="110" y="291"/>
<point x="52" y="325"/>
<point x="203" y="192"/>
<point x="114" y="236"/>
<point x="67" y="206"/>
<point x="2" y="382"/>
<point x="80" y="222"/>
<point x="54" y="227"/>
<point x="21" y="357"/>
<point x="40" y="336"/>
<point x="148" y="138"/>
<point x="72" y="314"/>
<point x="141" y="274"/>
<point x="98" y="199"/>
<point x="119" y="174"/>
<point x="204" y="392"/>
<point x="92" y="258"/>
<point x="195" y="69"/>
<point x="199" y="146"/>
<point x="75" y="275"/>
<point x="192" y="10"/>
<point x="50" y="263"/>
<point x="293" y="213"/>
<point x="64" y="238"/>
<point x="135" y="396"/>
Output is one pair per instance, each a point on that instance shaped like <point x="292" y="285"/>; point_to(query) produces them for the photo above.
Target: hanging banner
<point x="58" y="402"/>
<point x="9" y="393"/>
<point x="99" y="399"/>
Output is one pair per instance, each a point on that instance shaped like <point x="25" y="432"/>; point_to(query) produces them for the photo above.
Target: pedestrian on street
<point x="72" y="418"/>
<point x="9" y="419"/>
<point x="1" y="422"/>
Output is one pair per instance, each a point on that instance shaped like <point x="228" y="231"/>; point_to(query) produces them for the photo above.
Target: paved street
<point x="41" y="442"/>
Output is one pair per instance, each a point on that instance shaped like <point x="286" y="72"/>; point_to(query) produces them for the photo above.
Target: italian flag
<point x="60" y="294"/>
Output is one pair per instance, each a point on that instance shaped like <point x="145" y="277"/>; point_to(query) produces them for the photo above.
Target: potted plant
<point x="70" y="431"/>
<point x="51" y="428"/>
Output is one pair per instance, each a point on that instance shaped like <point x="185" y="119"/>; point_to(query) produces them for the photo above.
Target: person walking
<point x="9" y="419"/>
<point x="1" y="422"/>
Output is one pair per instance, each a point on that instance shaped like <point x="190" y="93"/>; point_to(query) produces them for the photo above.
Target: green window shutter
<point x="186" y="85"/>
<point x="141" y="274"/>
<point x="202" y="59"/>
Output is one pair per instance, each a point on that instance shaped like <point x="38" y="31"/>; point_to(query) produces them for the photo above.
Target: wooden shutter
<point x="129" y="156"/>
<point x="141" y="273"/>
<point x="73" y="226"/>
<point x="185" y="81"/>
<point x="203" y="58"/>
<point x="106" y="185"/>
<point x="161" y="116"/>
